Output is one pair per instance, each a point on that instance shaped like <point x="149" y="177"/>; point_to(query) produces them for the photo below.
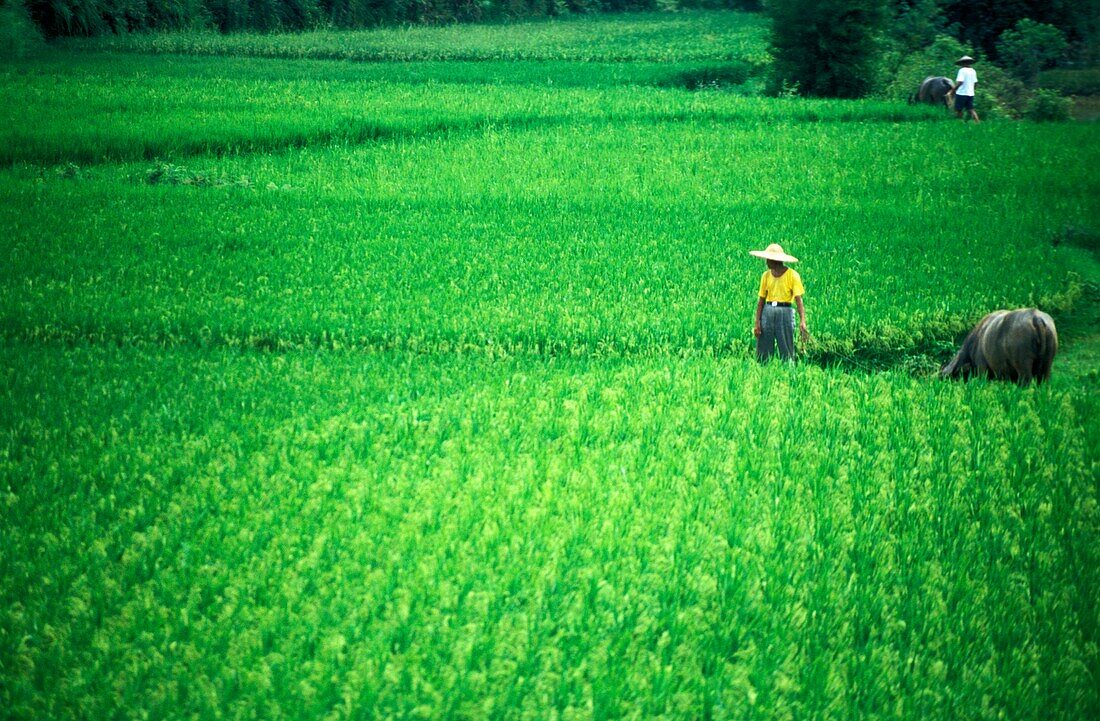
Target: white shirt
<point x="968" y="78"/>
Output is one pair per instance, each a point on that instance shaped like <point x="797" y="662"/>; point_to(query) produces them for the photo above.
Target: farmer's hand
<point x="804" y="332"/>
<point x="757" y="330"/>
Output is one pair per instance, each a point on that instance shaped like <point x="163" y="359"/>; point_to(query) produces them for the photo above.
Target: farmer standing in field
<point x="780" y="286"/>
<point x="963" y="89"/>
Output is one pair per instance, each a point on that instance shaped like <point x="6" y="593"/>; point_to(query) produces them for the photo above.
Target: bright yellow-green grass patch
<point x="599" y="236"/>
<point x="190" y="532"/>
<point x="332" y="390"/>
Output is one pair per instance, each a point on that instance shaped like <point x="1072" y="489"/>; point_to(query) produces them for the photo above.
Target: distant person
<point x="963" y="89"/>
<point x="780" y="286"/>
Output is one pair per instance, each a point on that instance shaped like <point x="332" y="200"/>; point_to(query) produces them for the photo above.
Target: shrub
<point x="1048" y="106"/>
<point x="902" y="73"/>
<point x="999" y="94"/>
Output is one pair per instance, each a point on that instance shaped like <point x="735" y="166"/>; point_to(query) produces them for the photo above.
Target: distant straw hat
<point x="774" y="252"/>
<point x="965" y="60"/>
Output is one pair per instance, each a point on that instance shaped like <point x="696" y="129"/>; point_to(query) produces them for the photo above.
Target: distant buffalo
<point x="1011" y="345"/>
<point x="934" y="91"/>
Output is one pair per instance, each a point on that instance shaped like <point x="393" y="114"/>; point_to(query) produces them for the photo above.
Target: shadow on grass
<point x="353" y="133"/>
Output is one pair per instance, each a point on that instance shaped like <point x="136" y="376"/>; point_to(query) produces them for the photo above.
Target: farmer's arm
<point x="756" y="328"/>
<point x="802" y="317"/>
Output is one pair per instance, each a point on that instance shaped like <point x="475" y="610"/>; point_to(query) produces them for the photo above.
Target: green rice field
<point x="409" y="374"/>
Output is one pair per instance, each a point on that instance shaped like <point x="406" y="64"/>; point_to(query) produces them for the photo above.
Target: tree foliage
<point x="915" y="24"/>
<point x="1048" y="106"/>
<point x="1030" y="47"/>
<point x="825" y="48"/>
<point x="982" y="22"/>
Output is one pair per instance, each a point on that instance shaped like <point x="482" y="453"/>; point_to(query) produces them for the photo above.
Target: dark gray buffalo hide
<point x="1011" y="345"/>
<point x="933" y="90"/>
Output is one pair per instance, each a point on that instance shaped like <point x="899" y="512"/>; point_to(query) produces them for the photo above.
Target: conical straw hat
<point x="774" y="252"/>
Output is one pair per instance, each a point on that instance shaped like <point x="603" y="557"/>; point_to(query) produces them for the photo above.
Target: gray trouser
<point x="777" y="326"/>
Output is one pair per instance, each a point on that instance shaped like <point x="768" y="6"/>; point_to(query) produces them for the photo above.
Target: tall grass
<point x="346" y="390"/>
<point x="300" y="536"/>
<point x="604" y="236"/>
<point x="109" y="109"/>
<point x="663" y="37"/>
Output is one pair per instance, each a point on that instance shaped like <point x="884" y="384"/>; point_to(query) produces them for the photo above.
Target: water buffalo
<point x="933" y="90"/>
<point x="1012" y="345"/>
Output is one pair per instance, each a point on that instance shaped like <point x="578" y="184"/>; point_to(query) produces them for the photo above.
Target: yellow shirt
<point x="784" y="289"/>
